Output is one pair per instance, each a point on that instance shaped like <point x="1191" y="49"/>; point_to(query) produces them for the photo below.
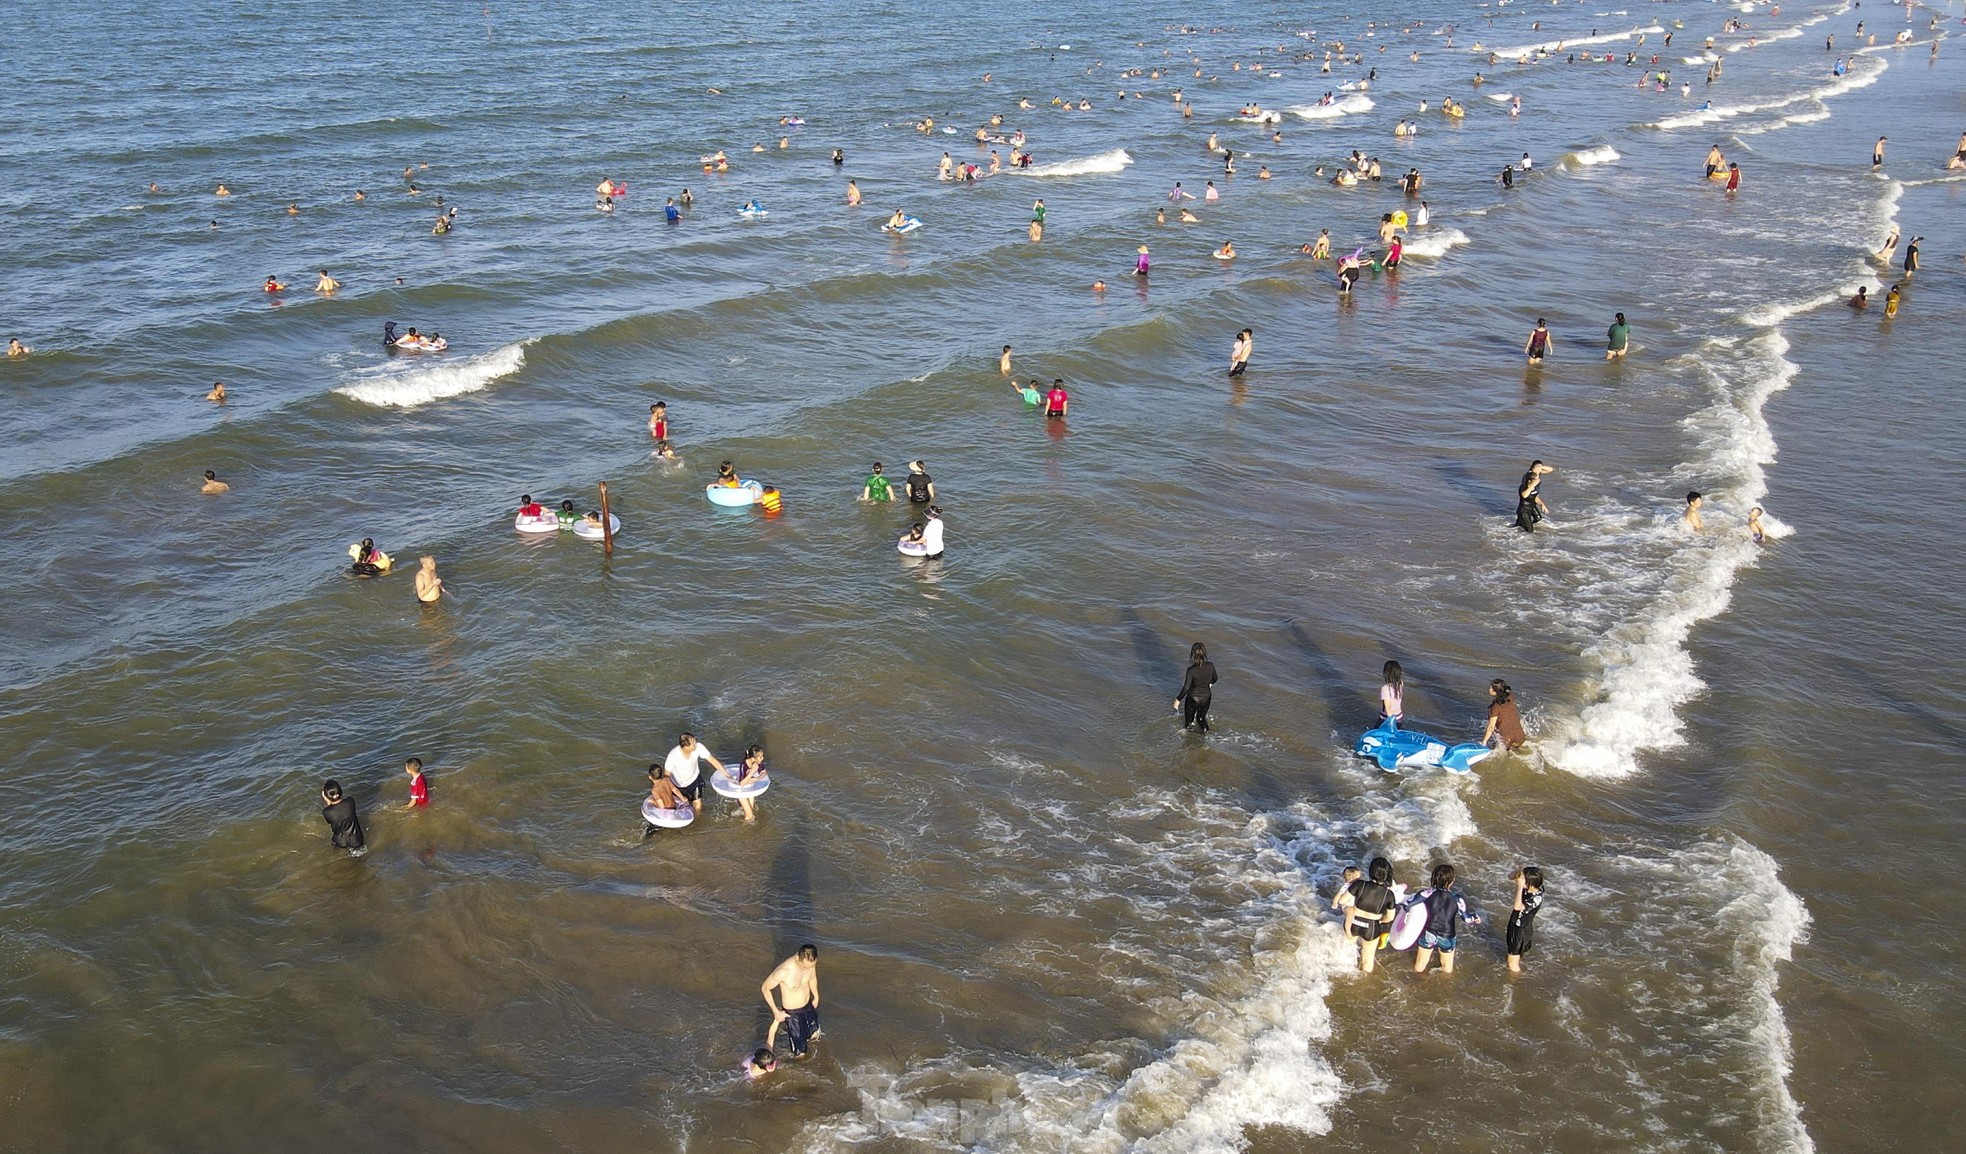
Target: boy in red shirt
<point x="419" y="788"/>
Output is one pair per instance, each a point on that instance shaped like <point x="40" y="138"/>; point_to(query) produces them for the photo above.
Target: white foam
<point x="1645" y="672"/>
<point x="1842" y="84"/>
<point x="1500" y="97"/>
<point x="399" y="387"/>
<point x="1247" y="1053"/>
<point x="1342" y="107"/>
<point x="1434" y="242"/>
<point x="1102" y="164"/>
<point x="1558" y="45"/>
<point x="1602" y="154"/>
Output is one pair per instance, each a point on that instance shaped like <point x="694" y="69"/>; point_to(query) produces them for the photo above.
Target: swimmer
<point x="1394" y="251"/>
<point x="273" y="285"/>
<point x="1263" y="172"/>
<point x="1911" y="255"/>
<point x="1891" y="301"/>
<point x="1003" y="362"/>
<point x="797" y="1009"/>
<point x="760" y="1063"/>
<point x="1099" y="286"/>
<point x="222" y="191"/>
<point x="1189" y="217"/>
<point x="758" y="147"/>
<point x="217" y="395"/>
<point x="753" y="207"/>
<point x="945" y="168"/>
<point x="344" y="824"/>
<point x="593" y="520"/>
<point x="327" y="284"/>
<point x="1386" y="228"/>
<point x="878" y="487"/>
<point x="671" y="212"/>
<point x="1889" y="248"/>
<point x="1617" y="339"/>
<point x="213" y="484"/>
<point x="1862" y="299"/>
<point x="727" y="476"/>
<point x="852" y="194"/>
<point x="1528" y="899"/>
<point x="566" y="515"/>
<point x="530" y="508"/>
<point x="1239" y="351"/>
<point x="1755" y="531"/>
<point x="1226" y="252"/>
<point x="1691" y="517"/>
<point x="839" y="157"/>
<point x="429" y="586"/>
<point x="659" y="421"/>
<point x="784" y="142"/>
<point x="1036" y="231"/>
<point x="686" y="199"/>
<point x="1733" y="177"/>
<point x="897" y="220"/>
<point x="1445" y="907"/>
<point x="1143" y="262"/>
<point x="683" y="766"/>
<point x="1160" y="216"/>
<point x="1322" y="249"/>
<point x="419" y="788"/>
<point x="664" y="453"/>
<point x="1421" y="217"/>
<point x="932" y="534"/>
<point x="1057" y="402"/>
<point x="921" y="486"/>
<point x="1369" y="906"/>
<point x="1030" y="394"/>
<point x="1540" y="342"/>
<point x="360" y="195"/>
<point x="1349" y="271"/>
<point x="154" y="190"/>
<point x="750" y="771"/>
<point x="369" y="560"/>
<point x="663" y="795"/>
<point x="16" y="350"/>
<point x="1211" y="196"/>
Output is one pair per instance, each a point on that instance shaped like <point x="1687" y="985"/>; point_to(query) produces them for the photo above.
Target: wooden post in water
<point x="607" y="525"/>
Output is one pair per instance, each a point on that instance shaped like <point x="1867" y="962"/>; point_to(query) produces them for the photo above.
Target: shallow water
<point x="1048" y="921"/>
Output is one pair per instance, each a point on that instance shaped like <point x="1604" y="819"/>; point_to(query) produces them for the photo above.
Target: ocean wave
<point x="1837" y="87"/>
<point x="1103" y="164"/>
<point x="1585" y="158"/>
<point x="1248" y="1055"/>
<point x="1433" y="242"/>
<point x="1520" y="50"/>
<point x="1345" y="106"/>
<point x="434" y="380"/>
<point x="1645" y="671"/>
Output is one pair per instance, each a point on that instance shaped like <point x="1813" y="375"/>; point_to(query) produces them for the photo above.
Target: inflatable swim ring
<point x="588" y="532"/>
<point x="743" y="496"/>
<point x="546" y="522"/>
<point x="1408" y="926"/>
<point x="909" y="548"/>
<point x="1399" y="219"/>
<point x="753" y="214"/>
<point x="908" y="224"/>
<point x="667" y="818"/>
<point x="725" y="786"/>
<point x="381" y="562"/>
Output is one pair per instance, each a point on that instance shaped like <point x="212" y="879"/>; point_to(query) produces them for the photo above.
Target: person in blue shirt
<point x="671" y="212"/>
<point x="1446" y="909"/>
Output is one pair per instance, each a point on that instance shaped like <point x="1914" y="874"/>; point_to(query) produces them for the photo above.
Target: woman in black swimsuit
<point x="1529" y="507"/>
<point x="1195" y="695"/>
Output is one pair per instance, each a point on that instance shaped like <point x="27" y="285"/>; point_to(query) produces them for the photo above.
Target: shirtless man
<point x="16" y="349"/>
<point x="429" y="586"/>
<point x="1692" y="514"/>
<point x="1003" y="362"/>
<point x="213" y="484"/>
<point x="327" y="284"/>
<point x="218" y="392"/>
<point x="797" y="980"/>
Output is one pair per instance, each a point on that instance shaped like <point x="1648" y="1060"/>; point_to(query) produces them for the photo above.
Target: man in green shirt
<point x="1028" y="392"/>
<point x="878" y="488"/>
<point x="1619" y="339"/>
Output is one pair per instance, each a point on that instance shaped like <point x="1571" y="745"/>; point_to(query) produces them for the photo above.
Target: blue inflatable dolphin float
<point x="1395" y="749"/>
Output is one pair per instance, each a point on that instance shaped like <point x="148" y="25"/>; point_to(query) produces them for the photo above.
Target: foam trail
<point x="399" y="389"/>
<point x="1521" y="50"/>
<point x="1242" y="1060"/>
<point x="1343" y="107"/>
<point x="1433" y="242"/>
<point x="1647" y="671"/>
<point x="1103" y="164"/>
<point x="1842" y="84"/>
<point x="1585" y="158"/>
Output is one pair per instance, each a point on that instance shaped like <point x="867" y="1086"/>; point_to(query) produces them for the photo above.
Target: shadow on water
<point x="1156" y="660"/>
<point x="788" y="898"/>
<point x="1486" y="495"/>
